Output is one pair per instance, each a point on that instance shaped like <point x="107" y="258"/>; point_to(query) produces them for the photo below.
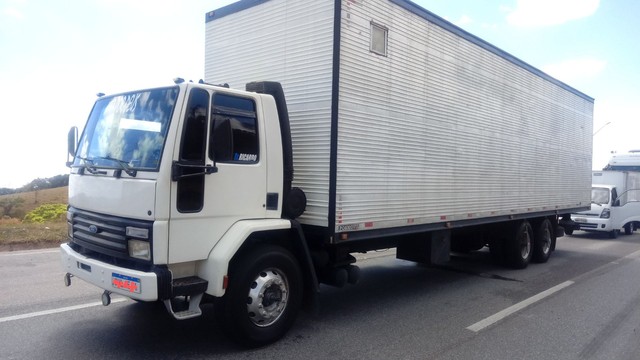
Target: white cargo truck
<point x="385" y="126"/>
<point x="615" y="198"/>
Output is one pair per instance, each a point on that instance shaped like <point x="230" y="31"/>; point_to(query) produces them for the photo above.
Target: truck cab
<point x="160" y="176"/>
<point x="611" y="210"/>
<point x="598" y="218"/>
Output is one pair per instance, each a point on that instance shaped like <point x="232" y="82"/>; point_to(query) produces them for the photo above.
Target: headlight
<point x="140" y="249"/>
<point x="606" y="213"/>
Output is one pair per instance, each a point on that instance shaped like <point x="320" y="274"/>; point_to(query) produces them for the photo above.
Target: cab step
<point x="192" y="288"/>
<point x="192" y="311"/>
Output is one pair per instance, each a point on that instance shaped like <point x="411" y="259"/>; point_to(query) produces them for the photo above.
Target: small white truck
<point x="386" y="127"/>
<point x="615" y="198"/>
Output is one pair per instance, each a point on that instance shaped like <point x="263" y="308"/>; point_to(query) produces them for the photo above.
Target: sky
<point x="56" y="56"/>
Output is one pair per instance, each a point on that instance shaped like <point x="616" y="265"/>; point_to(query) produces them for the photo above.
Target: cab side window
<point x="234" y="133"/>
<point x="192" y="152"/>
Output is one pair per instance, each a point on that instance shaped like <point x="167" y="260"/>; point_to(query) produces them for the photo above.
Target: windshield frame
<point x="143" y="137"/>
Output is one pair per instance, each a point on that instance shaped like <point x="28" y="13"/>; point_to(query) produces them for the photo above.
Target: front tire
<point x="264" y="296"/>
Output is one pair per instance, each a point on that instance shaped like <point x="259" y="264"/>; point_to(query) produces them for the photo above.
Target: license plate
<point x="124" y="282"/>
<point x="580" y="220"/>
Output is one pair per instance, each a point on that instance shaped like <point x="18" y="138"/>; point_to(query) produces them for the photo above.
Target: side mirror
<point x="72" y="143"/>
<point x="616" y="203"/>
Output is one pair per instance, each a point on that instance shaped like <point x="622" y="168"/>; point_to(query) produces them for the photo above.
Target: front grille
<point x="588" y="226"/>
<point x="104" y="234"/>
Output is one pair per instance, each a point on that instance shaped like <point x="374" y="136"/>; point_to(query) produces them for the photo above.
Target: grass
<point x="33" y="199"/>
<point x="18" y="235"/>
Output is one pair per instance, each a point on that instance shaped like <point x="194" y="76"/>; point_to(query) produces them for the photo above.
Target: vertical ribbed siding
<point x="289" y="42"/>
<point x="442" y="129"/>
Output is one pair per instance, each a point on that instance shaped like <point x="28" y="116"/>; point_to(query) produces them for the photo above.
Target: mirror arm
<point x="177" y="170"/>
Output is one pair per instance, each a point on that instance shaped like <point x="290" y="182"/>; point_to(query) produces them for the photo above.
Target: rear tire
<point x="519" y="246"/>
<point x="543" y="241"/>
<point x="629" y="228"/>
<point x="263" y="297"/>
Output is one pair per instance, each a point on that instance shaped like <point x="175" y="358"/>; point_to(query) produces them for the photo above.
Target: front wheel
<point x="264" y="296"/>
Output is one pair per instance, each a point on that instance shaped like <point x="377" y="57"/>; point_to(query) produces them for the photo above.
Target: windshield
<point x="127" y="130"/>
<point x="600" y="195"/>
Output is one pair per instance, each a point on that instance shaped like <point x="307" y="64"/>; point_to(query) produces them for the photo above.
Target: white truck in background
<point x="388" y="127"/>
<point x="615" y="198"/>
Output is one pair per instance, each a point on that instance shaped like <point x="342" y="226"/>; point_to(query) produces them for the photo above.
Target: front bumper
<point x="135" y="284"/>
<point x="593" y="224"/>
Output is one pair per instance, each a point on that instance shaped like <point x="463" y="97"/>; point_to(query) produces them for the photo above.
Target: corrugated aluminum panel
<point x="441" y="129"/>
<point x="290" y="42"/>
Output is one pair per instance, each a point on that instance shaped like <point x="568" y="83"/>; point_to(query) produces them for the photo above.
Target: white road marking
<point x="56" y="311"/>
<point x="482" y="324"/>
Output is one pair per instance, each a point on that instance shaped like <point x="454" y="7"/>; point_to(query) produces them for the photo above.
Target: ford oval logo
<point x="93" y="229"/>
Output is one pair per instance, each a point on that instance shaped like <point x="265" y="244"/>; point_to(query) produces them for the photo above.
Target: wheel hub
<point x="267" y="297"/>
<point x="546" y="244"/>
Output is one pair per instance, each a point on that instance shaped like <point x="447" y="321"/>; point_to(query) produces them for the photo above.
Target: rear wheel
<point x="519" y="245"/>
<point x="264" y="296"/>
<point x="543" y="241"/>
<point x="629" y="228"/>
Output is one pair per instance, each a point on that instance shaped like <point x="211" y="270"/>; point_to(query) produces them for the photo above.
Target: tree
<point x="47" y="183"/>
<point x="8" y="205"/>
<point x="6" y="191"/>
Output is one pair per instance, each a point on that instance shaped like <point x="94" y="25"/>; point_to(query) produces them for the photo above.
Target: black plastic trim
<point x="272" y="201"/>
<point x="335" y="97"/>
<point x="164" y="282"/>
<point x="188" y="286"/>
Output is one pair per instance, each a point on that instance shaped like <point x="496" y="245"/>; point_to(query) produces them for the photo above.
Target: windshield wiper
<point x="123" y="165"/>
<point x="88" y="165"/>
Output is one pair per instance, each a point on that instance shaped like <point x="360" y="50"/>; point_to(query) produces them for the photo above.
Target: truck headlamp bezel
<point x="139" y="249"/>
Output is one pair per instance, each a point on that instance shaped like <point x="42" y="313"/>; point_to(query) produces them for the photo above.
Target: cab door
<point x="219" y="173"/>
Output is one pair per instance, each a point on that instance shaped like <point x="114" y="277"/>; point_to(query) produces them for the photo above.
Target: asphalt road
<point x="583" y="304"/>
